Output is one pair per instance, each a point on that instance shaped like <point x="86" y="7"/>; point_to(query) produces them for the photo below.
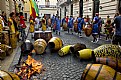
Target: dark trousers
<point x="116" y="40"/>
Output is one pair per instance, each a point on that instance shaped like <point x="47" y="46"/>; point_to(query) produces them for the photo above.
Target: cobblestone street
<point x="62" y="68"/>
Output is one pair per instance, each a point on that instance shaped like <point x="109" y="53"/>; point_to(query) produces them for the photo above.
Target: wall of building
<point x="88" y="8"/>
<point x="48" y="11"/>
<point x="108" y="8"/>
<point x="76" y="9"/>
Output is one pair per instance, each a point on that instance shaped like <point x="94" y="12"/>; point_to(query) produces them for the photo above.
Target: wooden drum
<point x="13" y="40"/>
<point x="46" y="35"/>
<point x="6" y="37"/>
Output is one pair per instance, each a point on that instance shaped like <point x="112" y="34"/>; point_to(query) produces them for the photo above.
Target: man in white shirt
<point x="37" y="21"/>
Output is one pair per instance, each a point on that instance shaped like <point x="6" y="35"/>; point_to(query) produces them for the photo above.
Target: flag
<point x="33" y="8"/>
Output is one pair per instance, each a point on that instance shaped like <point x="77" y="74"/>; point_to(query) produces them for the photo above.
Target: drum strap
<point x="98" y="72"/>
<point x="1" y="78"/>
<point x="87" y="72"/>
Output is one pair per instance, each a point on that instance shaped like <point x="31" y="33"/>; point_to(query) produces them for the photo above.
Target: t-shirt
<point x="117" y="22"/>
<point x="95" y="28"/>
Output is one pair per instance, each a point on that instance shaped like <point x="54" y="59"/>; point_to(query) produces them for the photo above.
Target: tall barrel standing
<point x="110" y="61"/>
<point x="40" y="46"/>
<point x="55" y="43"/>
<point x="100" y="72"/>
<point x="75" y="27"/>
<point x="65" y="28"/>
<point x="88" y="30"/>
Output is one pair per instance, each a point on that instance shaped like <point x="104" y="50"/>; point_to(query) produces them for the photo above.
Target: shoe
<point x="107" y="40"/>
<point x="93" y="41"/>
<point x="80" y="36"/>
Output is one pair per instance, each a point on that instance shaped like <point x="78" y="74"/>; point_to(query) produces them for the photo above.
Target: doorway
<point x="71" y="9"/>
<point x="95" y="7"/>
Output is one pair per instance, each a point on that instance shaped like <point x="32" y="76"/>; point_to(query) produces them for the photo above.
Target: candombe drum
<point x="46" y="35"/>
<point x="13" y="40"/>
<point x="5" y="36"/>
<point x="76" y="47"/>
<point x="100" y="72"/>
<point x="110" y="61"/>
<point x="108" y="50"/>
<point x="40" y="46"/>
<point x="27" y="47"/>
<point x="88" y="30"/>
<point x="55" y="43"/>
<point x="4" y="75"/>
<point x="65" y="28"/>
<point x="2" y="54"/>
<point x="8" y="49"/>
<point x="86" y="54"/>
<point x="75" y="27"/>
<point x="65" y="50"/>
<point x="31" y="29"/>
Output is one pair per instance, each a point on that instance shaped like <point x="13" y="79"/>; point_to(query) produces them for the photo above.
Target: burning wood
<point x="29" y="67"/>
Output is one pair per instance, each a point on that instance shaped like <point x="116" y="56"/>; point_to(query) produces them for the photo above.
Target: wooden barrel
<point x="108" y="50"/>
<point x="65" y="50"/>
<point x="55" y="43"/>
<point x="4" y="75"/>
<point x="27" y="47"/>
<point x="110" y="61"/>
<point x="2" y="54"/>
<point x="76" y="47"/>
<point x="8" y="49"/>
<point x="13" y="40"/>
<point x="40" y="46"/>
<point x="75" y="27"/>
<point x="88" y="30"/>
<point x="100" y="72"/>
<point x="86" y="54"/>
<point x="65" y="27"/>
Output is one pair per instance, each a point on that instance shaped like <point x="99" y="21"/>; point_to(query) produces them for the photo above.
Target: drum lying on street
<point x="46" y="35"/>
<point x="65" y="50"/>
<point x="4" y="75"/>
<point x="86" y="54"/>
<point x="55" y="43"/>
<point x="40" y="46"/>
<point x="76" y="47"/>
<point x="108" y="50"/>
<point x="100" y="72"/>
<point x="110" y="61"/>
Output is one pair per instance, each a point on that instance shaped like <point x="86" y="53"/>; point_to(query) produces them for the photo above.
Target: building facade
<point x="89" y="7"/>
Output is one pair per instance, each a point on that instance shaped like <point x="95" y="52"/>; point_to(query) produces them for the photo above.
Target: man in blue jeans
<point x="117" y="34"/>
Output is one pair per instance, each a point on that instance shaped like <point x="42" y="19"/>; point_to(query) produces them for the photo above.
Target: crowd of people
<point x="16" y="24"/>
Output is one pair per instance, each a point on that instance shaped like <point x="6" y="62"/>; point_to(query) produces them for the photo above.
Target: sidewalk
<point x="14" y="57"/>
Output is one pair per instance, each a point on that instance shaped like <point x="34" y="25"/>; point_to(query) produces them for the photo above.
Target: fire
<point x="30" y="67"/>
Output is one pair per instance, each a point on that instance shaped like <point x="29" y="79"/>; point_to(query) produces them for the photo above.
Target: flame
<point x="30" y="67"/>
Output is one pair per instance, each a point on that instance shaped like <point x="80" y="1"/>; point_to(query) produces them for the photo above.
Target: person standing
<point x="44" y="28"/>
<point x="80" y="21"/>
<point x="117" y="34"/>
<point x="58" y="24"/>
<point x="37" y="21"/>
<point x="70" y="24"/>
